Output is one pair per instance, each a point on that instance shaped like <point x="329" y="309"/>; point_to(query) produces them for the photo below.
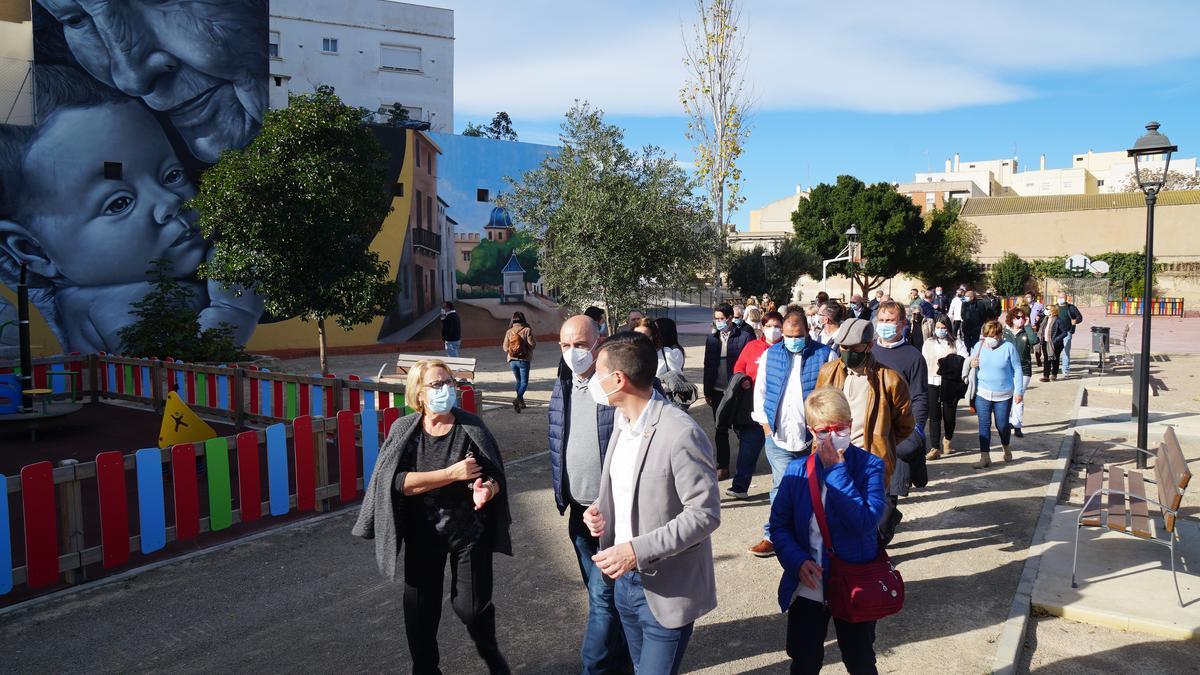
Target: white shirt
<point x="788" y="425"/>
<point x="956" y="308"/>
<point x="814" y="549"/>
<point x="621" y="472"/>
<point x="669" y="358"/>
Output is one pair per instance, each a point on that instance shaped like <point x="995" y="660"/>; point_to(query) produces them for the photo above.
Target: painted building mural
<point x="131" y="102"/>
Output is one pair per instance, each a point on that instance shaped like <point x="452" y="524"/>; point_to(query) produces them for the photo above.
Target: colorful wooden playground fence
<point x="1133" y="307"/>
<point x="304" y="413"/>
<point x="296" y="470"/>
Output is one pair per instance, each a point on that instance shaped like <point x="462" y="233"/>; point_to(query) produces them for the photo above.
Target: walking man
<point x="1069" y="317"/>
<point x="895" y="352"/>
<point x="972" y="314"/>
<point x="451" y="329"/>
<point x="787" y="374"/>
<point x="657" y="509"/>
<point x="579" y="433"/>
<point x="955" y="311"/>
<point x="721" y="351"/>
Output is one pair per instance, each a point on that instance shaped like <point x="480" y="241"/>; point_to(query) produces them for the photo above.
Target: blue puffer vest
<point x="779" y="366"/>
<point x="560" y="422"/>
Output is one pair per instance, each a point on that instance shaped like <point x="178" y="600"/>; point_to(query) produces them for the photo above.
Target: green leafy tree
<point x="759" y="271"/>
<point x="499" y="129"/>
<point x="717" y="105"/>
<point x="610" y="224"/>
<point x="294" y="213"/>
<point x="891" y="230"/>
<point x="397" y="115"/>
<point x="490" y="257"/>
<point x="1010" y="273"/>
<point x="168" y="324"/>
<point x="950" y="244"/>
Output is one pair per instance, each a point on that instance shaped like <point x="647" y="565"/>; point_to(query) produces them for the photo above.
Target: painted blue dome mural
<point x="500" y="218"/>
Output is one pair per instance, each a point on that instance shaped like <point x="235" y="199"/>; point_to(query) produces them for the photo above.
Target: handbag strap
<point x="814" y="492"/>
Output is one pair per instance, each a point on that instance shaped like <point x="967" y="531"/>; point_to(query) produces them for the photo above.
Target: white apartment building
<point x="374" y="53"/>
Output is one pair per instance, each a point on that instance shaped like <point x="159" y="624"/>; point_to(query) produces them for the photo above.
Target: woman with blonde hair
<point x="439" y="489"/>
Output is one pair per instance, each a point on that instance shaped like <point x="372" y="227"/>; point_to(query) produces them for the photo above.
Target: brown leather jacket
<point x="889" y="412"/>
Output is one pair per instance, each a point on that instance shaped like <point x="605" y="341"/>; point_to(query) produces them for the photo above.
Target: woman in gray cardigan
<point x="439" y="487"/>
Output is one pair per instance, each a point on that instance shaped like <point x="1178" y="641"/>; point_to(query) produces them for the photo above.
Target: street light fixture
<point x="852" y="252"/>
<point x="1149" y="147"/>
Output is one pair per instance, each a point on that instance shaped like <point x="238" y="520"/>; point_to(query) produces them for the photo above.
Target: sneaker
<point x="763" y="549"/>
<point x="737" y="495"/>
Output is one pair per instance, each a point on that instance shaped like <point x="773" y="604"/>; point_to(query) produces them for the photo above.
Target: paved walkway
<point x="309" y="598"/>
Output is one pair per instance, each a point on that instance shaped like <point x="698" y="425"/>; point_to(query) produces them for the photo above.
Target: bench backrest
<point x="460" y="367"/>
<point x="1172" y="475"/>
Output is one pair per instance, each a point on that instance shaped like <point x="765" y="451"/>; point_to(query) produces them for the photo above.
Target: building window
<point x="329" y="45"/>
<point x="417" y="152"/>
<point x="397" y="189"/>
<point x="273" y="44"/>
<point x="466" y="256"/>
<point x="429" y="163"/>
<point x="407" y="59"/>
<point x="1100" y="183"/>
<point x="278" y="81"/>
<point x="420" y="215"/>
<point x="481" y="195"/>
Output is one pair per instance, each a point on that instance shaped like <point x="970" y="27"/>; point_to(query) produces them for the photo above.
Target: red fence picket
<point x="114" y="508"/>
<point x="41" y="524"/>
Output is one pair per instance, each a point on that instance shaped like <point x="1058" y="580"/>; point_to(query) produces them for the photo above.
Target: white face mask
<point x="990" y="342"/>
<point x="578" y="360"/>
<point x="772" y="334"/>
<point x="596" y="389"/>
<point x="840" y="443"/>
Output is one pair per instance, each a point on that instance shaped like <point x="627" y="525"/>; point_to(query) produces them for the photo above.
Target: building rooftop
<point x="513" y="265"/>
<point x="1002" y="206"/>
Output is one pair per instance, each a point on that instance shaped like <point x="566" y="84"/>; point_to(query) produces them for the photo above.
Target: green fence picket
<point x="220" y="505"/>
<point x="292" y="400"/>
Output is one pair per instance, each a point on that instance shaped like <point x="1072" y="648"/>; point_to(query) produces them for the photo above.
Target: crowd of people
<point x="848" y="403"/>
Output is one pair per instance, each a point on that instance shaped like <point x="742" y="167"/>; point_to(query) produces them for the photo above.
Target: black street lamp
<point x="1151" y="146"/>
<point x="851" y="250"/>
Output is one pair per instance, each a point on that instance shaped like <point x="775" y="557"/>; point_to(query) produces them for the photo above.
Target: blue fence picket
<point x="147" y="388"/>
<point x="112" y="377"/>
<point x="151" y="510"/>
<point x="316" y="399"/>
<point x="370" y="435"/>
<point x="264" y="396"/>
<point x="223" y="391"/>
<point x="277" y="469"/>
<point x="5" y="540"/>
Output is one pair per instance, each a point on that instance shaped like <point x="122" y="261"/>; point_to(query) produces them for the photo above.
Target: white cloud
<point x="533" y="58"/>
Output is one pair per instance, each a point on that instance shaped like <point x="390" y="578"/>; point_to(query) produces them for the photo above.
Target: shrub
<point x="1010" y="274"/>
<point x="168" y="325"/>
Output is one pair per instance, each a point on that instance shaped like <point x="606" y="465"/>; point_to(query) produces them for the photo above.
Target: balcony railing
<point x="429" y="240"/>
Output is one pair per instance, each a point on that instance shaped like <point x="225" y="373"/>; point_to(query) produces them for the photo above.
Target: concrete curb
<point x="1122" y="622"/>
<point x="1011" y="642"/>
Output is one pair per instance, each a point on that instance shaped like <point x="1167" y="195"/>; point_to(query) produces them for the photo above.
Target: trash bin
<point x="1100" y="339"/>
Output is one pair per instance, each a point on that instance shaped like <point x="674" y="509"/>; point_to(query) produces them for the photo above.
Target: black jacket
<point x="451" y="327"/>
<point x="736" y="406"/>
<point x="972" y="318"/>
<point x="1070" y="314"/>
<point x="716" y="373"/>
<point x="908" y="361"/>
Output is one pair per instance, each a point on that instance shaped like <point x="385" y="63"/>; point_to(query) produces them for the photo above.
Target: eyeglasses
<point x="840" y="430"/>
<point x="438" y="384"/>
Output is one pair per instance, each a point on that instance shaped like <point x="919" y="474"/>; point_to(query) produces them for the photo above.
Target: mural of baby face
<point x="203" y="62"/>
<point x="96" y="232"/>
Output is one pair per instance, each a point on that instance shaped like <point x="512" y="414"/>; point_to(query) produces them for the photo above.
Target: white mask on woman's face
<point x="772" y="334"/>
<point x="990" y="342"/>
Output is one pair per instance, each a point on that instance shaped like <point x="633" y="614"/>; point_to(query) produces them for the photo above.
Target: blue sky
<point x="879" y="90"/>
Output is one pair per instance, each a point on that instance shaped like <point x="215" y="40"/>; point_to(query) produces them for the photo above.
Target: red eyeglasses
<point x="840" y="430"/>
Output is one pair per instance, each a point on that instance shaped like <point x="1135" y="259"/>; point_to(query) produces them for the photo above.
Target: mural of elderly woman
<point x="202" y="64"/>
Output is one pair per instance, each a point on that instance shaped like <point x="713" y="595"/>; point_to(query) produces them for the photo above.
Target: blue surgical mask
<point x="721" y="325"/>
<point x="442" y="399"/>
<point x="941" y="333"/>
<point x="737" y="321"/>
<point x="886" y="331"/>
<point x="794" y="344"/>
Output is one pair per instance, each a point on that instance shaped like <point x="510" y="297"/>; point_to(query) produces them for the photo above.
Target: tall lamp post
<point x="1149" y="147"/>
<point x="852" y="252"/>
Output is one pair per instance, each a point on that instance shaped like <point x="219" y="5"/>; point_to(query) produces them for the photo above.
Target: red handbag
<point x="855" y="592"/>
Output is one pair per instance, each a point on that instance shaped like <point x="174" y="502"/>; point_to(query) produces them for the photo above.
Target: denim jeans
<point x="778" y="458"/>
<point x="986" y="410"/>
<point x="750" y="445"/>
<point x="1066" y="354"/>
<point x="452" y="348"/>
<point x="520" y="369"/>
<point x="656" y="650"/>
<point x="604" y="647"/>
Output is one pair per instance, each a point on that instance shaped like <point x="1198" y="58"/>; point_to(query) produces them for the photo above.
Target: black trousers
<point x="808" y="623"/>
<point x="1050" y="366"/>
<point x="942" y="416"/>
<point x="470" y="596"/>
<point x="722" y="434"/>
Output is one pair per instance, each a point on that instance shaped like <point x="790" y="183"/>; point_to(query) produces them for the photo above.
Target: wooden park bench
<point x="1127" y="510"/>
<point x="461" y="367"/>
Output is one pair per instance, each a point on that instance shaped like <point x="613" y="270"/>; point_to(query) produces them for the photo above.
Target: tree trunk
<point x="321" y="339"/>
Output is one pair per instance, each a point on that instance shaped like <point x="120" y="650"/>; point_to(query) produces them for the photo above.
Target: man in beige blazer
<point x="657" y="508"/>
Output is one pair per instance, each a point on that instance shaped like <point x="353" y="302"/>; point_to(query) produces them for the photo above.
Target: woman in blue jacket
<point x="852" y="492"/>
<point x="999" y="382"/>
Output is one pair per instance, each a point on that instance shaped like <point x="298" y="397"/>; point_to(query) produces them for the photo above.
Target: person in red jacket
<point x="750" y="441"/>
